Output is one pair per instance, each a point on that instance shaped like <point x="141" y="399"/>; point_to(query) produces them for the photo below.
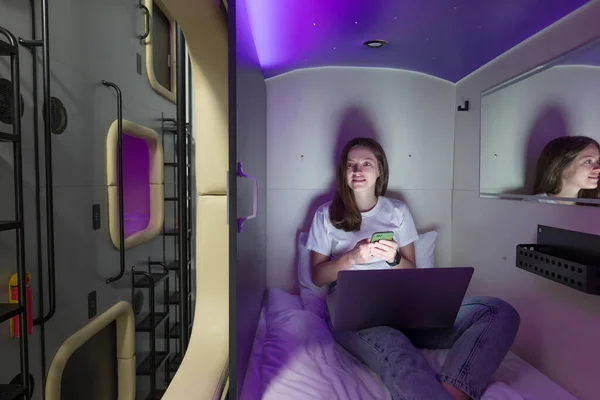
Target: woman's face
<point x="362" y="169"/>
<point x="583" y="171"/>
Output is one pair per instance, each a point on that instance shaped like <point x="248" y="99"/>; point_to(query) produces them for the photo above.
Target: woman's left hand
<point x="385" y="250"/>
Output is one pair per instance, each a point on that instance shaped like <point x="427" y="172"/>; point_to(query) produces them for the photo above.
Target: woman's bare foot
<point x="454" y="392"/>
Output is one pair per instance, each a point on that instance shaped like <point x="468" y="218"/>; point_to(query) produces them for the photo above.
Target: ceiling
<point x="444" y="38"/>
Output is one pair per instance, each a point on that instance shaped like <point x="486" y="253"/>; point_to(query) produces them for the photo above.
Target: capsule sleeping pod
<point x="299" y="199"/>
<point x="487" y="117"/>
<point x="113" y="233"/>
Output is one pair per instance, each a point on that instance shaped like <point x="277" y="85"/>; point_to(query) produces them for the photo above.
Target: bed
<point x="295" y="356"/>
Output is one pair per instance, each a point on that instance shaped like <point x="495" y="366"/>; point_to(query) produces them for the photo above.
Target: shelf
<point x="7" y="311"/>
<point x="9" y="137"/>
<point x="175" y="331"/>
<point x="145" y="368"/>
<point x="144" y="282"/>
<point x="569" y="267"/>
<point x="8" y="225"/>
<point x="11" y="392"/>
<point x="7" y="49"/>
<point x="173" y="266"/>
<point x="174" y="299"/>
<point x="145" y="325"/>
<point x="175" y="362"/>
<point x="156" y="395"/>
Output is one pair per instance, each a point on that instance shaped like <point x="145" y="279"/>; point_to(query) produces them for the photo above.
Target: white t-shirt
<point x="387" y="215"/>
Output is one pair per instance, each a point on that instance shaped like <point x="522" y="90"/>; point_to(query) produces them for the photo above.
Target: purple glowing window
<point x="136" y="184"/>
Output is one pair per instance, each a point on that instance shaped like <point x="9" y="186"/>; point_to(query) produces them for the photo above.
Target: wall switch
<point x="96" y="216"/>
<point x="92" y="305"/>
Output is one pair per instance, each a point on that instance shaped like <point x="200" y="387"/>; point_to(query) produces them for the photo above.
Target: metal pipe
<point x="48" y="168"/>
<point x="120" y="183"/>
<point x="18" y="182"/>
<point x="38" y="201"/>
<point x="181" y="180"/>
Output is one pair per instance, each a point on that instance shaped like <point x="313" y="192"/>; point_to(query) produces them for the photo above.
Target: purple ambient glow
<point x="136" y="184"/>
<point x="437" y="37"/>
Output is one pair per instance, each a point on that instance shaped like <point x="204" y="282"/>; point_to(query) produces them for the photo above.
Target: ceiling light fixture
<point x="375" y="44"/>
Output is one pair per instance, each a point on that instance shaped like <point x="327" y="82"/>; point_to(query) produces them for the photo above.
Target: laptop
<point x="416" y="298"/>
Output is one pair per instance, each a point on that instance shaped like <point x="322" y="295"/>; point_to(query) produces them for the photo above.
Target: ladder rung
<point x="175" y="362"/>
<point x="175" y="331"/>
<point x="7" y="49"/>
<point x="12" y="392"/>
<point x="145" y="367"/>
<point x="9" y="137"/>
<point x="173" y="265"/>
<point x="8" y="225"/>
<point x="174" y="299"/>
<point x="146" y="324"/>
<point x="174" y="164"/>
<point x="144" y="281"/>
<point x="9" y="310"/>
<point x="156" y="395"/>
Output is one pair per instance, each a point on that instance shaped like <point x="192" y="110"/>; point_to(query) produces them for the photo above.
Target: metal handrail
<point x="182" y="191"/>
<point x="120" y="193"/>
<point x="48" y="168"/>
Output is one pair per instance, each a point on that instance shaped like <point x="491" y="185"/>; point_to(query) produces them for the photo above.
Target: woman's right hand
<point x="361" y="253"/>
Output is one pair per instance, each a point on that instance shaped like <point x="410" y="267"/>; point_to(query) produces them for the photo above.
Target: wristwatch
<point x="396" y="260"/>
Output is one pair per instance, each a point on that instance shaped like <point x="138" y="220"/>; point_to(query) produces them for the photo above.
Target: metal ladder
<point x="21" y="388"/>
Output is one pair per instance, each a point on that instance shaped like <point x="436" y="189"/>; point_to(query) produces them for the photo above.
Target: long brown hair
<point x="556" y="156"/>
<point x="343" y="212"/>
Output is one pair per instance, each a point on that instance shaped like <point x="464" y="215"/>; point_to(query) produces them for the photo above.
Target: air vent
<point x="59" y="116"/>
<point x="6" y="102"/>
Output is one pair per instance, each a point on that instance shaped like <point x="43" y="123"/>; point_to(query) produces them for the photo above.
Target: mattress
<point x="294" y="356"/>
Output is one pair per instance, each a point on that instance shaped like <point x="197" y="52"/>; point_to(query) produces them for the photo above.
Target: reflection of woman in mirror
<point x="568" y="167"/>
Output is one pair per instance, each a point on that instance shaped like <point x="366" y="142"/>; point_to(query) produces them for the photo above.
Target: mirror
<point x="540" y="132"/>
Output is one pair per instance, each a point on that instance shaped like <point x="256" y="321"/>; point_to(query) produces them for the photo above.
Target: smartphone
<point x="377" y="236"/>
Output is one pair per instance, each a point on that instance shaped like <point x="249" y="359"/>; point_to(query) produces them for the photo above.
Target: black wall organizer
<point x="567" y="257"/>
<point x="150" y="365"/>
<point x="19" y="387"/>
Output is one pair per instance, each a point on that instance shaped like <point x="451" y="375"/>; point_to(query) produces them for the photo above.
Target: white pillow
<point x="313" y="297"/>
<point x="424" y="247"/>
<point x="304" y="275"/>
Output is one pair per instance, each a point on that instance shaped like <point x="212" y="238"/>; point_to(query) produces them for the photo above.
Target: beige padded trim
<point x="154" y="147"/>
<point x="123" y="315"/>
<point x="225" y="390"/>
<point x="212" y="143"/>
<point x="203" y="372"/>
<point x="154" y="226"/>
<point x="170" y="95"/>
<point x="206" y="34"/>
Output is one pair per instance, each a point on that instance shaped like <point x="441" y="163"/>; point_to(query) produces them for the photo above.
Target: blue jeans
<point x="482" y="335"/>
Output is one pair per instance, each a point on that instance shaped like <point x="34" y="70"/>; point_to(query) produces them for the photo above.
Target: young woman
<point x="568" y="166"/>
<point x="485" y="327"/>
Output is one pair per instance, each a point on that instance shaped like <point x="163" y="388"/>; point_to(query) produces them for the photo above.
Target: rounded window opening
<point x="143" y="202"/>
